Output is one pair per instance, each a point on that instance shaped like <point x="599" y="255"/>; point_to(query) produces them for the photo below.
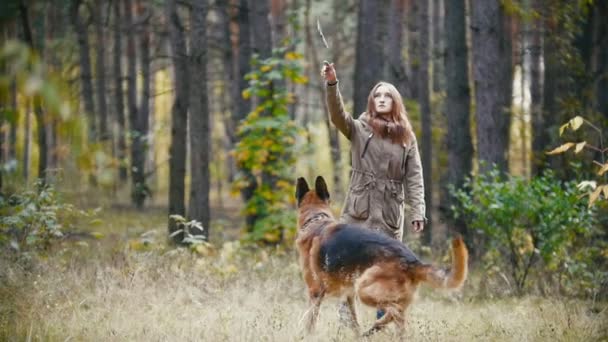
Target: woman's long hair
<point x="402" y="132"/>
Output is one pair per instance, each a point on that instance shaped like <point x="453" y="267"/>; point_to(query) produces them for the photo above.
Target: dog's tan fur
<point x="385" y="274"/>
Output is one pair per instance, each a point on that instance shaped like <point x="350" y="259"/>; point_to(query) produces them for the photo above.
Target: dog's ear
<point x="301" y="189"/>
<point x="321" y="188"/>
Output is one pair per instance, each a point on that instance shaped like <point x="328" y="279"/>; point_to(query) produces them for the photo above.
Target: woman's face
<point x="383" y="102"/>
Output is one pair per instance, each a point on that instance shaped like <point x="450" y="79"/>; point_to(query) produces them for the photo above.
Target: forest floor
<point x="130" y="285"/>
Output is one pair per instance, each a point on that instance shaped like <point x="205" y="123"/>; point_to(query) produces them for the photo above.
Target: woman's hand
<point x="418" y="226"/>
<point x="329" y="72"/>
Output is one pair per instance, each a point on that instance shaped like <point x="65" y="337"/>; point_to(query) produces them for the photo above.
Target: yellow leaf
<point x="580" y="146"/>
<point x="595" y="195"/>
<point x="265" y="68"/>
<point x="292" y="56"/>
<point x="562" y="128"/>
<point x="605" y="190"/>
<point x="576" y="122"/>
<point x="561" y="149"/>
<point x="246" y="94"/>
<point x="603" y="169"/>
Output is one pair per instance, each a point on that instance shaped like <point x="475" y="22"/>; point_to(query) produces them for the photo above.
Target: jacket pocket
<point x="358" y="203"/>
<point x="392" y="209"/>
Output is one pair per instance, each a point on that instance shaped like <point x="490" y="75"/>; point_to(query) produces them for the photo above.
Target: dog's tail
<point x="438" y="278"/>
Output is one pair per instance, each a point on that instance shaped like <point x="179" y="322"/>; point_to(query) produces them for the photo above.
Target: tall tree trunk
<point x="438" y="45"/>
<point x="278" y="10"/>
<point x="540" y="139"/>
<point x="100" y="65"/>
<point x="12" y="147"/>
<point x="260" y="28"/>
<point x="457" y="109"/>
<point x="396" y="69"/>
<point x="424" y="100"/>
<point x="42" y="143"/>
<point x="136" y="174"/>
<point x="200" y="146"/>
<point x="320" y="89"/>
<point x="119" y="93"/>
<point x="492" y="71"/>
<point x="413" y="45"/>
<point x="82" y="38"/>
<point x="368" y="65"/>
<point x="179" y="118"/>
<point x="27" y="143"/>
<point x="600" y="34"/>
<point x="229" y="67"/>
<point x="139" y="118"/>
<point x="243" y="107"/>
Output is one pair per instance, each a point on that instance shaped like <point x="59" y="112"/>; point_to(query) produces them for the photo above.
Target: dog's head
<point x="305" y="196"/>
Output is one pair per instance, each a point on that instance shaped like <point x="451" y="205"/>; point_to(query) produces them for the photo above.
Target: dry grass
<point x="110" y="292"/>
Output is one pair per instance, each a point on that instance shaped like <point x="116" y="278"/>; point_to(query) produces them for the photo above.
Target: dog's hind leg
<point x="348" y="314"/>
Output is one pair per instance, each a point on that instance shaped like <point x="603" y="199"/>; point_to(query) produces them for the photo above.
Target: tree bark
<point x="424" y="100"/>
<point x="260" y="28"/>
<point x="457" y="109"/>
<point x="601" y="56"/>
<point x="229" y="64"/>
<point x="413" y="45"/>
<point x="179" y="118"/>
<point x="38" y="112"/>
<point x="438" y="45"/>
<point x="279" y="21"/>
<point x="492" y="71"/>
<point x="119" y="93"/>
<point x="200" y="146"/>
<point x="368" y="66"/>
<point x="540" y="139"/>
<point x="85" y="67"/>
<point x="243" y="107"/>
<point x="139" y="118"/>
<point x="100" y="65"/>
<point x="396" y="69"/>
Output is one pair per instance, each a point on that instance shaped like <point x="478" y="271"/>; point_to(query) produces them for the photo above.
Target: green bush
<point x="539" y="226"/>
<point x="30" y="220"/>
<point x="267" y="149"/>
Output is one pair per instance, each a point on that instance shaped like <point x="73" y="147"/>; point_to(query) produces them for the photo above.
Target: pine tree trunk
<point x="438" y="45"/>
<point x="38" y="112"/>
<point x="229" y="66"/>
<point x="139" y="118"/>
<point x="396" y="73"/>
<point x="413" y="46"/>
<point x="424" y="100"/>
<point x="457" y="109"/>
<point x="243" y="107"/>
<point x="260" y="28"/>
<point x="119" y="93"/>
<point x="85" y="67"/>
<point x="179" y="118"/>
<point x="136" y="174"/>
<point x="27" y="143"/>
<point x="200" y="146"/>
<point x="100" y="65"/>
<point x="368" y="62"/>
<point x="319" y="98"/>
<point x="492" y="71"/>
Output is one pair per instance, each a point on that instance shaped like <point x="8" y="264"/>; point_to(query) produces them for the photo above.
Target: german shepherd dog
<point x="345" y="260"/>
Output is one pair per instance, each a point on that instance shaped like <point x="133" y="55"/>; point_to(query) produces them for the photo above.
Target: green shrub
<point x="30" y="220"/>
<point x="539" y="226"/>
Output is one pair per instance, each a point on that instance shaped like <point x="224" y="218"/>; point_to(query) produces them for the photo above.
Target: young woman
<point x="386" y="168"/>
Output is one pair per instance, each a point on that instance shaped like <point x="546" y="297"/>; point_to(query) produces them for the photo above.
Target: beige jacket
<point x="384" y="176"/>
